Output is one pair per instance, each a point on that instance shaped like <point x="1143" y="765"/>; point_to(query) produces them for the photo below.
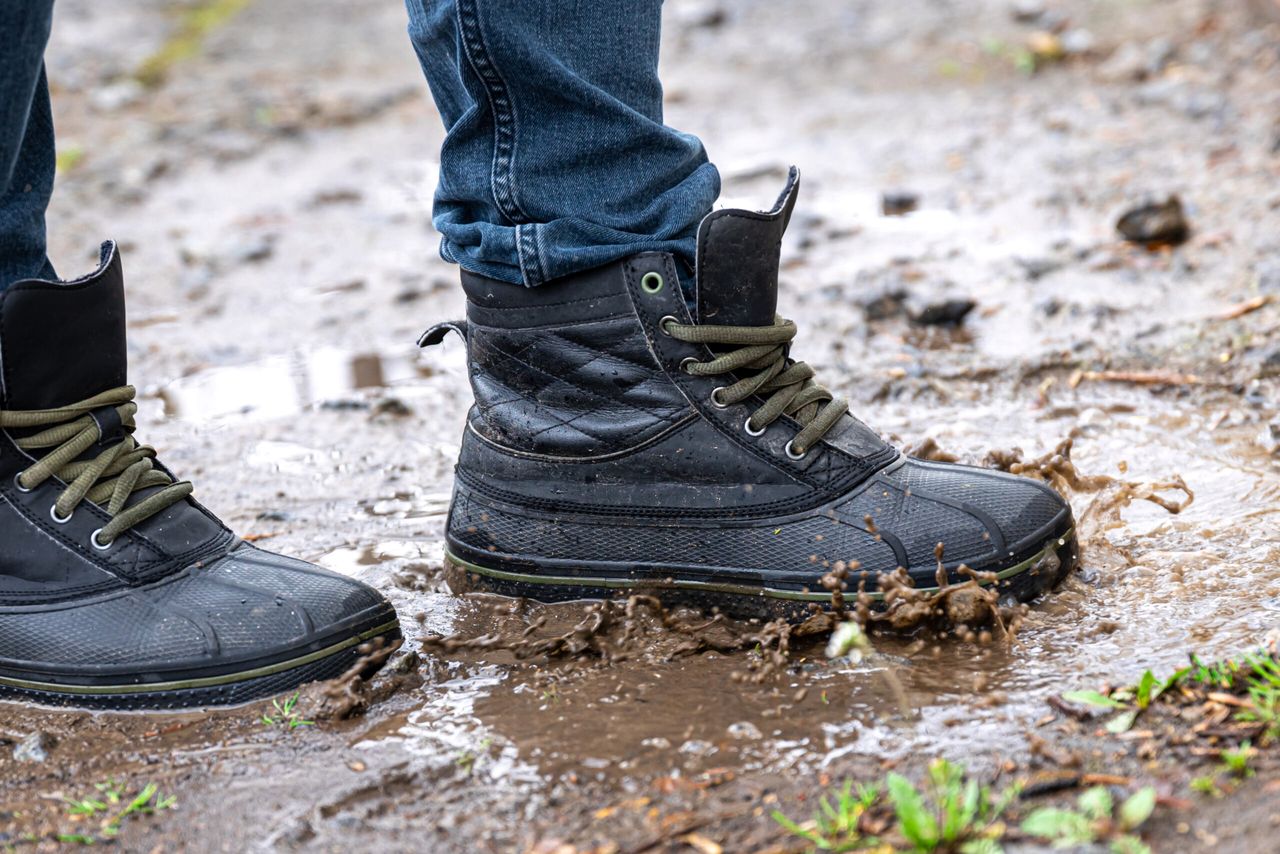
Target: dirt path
<point x="272" y="193"/>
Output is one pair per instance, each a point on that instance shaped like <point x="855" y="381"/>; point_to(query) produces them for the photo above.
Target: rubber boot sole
<point x="195" y="692"/>
<point x="1024" y="581"/>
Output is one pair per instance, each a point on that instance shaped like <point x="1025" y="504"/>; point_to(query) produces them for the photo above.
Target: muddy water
<point x="1154" y="586"/>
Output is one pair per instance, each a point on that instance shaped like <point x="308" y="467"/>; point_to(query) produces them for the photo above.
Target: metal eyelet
<point x="53" y="514"/>
<point x="715" y="398"/>
<point x="17" y="484"/>
<point x="651" y="282"/>
<point x="662" y="324"/>
<point x="102" y="547"/>
<point x="791" y="453"/>
<point x="687" y="361"/>
<point x="746" y="428"/>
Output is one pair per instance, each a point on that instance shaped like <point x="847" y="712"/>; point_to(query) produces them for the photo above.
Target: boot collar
<point x="62" y="342"/>
<point x="737" y="266"/>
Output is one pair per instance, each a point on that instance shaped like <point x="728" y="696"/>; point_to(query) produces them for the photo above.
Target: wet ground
<point x="272" y="190"/>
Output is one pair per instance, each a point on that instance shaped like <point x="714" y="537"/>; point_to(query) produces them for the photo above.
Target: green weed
<point x="948" y="813"/>
<point x="1130" y="702"/>
<point x="1095" y="819"/>
<point x="466" y="759"/>
<point x="1236" y="762"/>
<point x="112" y="805"/>
<point x="286" y="714"/>
<point x="836" y="824"/>
<point x="1264" y="695"/>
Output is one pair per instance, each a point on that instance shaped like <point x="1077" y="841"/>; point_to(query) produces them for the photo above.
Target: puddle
<point x="1154" y="587"/>
<point x="283" y="385"/>
<point x="355" y="559"/>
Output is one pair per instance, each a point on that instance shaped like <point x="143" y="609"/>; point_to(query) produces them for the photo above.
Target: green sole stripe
<point x="207" y="682"/>
<point x="715" y="586"/>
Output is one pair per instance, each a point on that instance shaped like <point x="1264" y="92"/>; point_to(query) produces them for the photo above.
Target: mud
<point x="272" y="192"/>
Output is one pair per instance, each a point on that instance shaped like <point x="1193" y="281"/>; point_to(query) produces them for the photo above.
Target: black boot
<point x="117" y="590"/>
<point x="617" y="444"/>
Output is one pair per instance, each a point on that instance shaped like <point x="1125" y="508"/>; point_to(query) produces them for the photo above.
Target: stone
<point x="34" y="748"/>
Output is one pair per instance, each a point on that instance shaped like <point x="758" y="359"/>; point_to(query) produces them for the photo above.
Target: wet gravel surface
<point x="957" y="272"/>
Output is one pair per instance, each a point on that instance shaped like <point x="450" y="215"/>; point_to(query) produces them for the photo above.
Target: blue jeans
<point x="27" y="157"/>
<point x="556" y="159"/>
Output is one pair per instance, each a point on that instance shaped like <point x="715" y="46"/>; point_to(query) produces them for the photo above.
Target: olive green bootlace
<point x="110" y="478"/>
<point x="788" y="385"/>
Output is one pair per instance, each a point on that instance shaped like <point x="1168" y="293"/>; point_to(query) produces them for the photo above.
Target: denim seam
<point x="527" y="251"/>
<point x="500" y="103"/>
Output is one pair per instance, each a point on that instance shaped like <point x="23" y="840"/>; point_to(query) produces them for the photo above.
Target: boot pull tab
<point x="437" y="333"/>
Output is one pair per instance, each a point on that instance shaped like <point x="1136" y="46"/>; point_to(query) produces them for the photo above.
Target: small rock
<point x="885" y="305"/>
<point x="1027" y="11"/>
<point x="899" y="202"/>
<point x="1155" y="223"/>
<point x="705" y="15"/>
<point x="1039" y="266"/>
<point x="392" y="406"/>
<point x="745" y="730"/>
<point x="1131" y="61"/>
<point x="34" y="748"/>
<point x="1078" y="42"/>
<point x="1046" y="47"/>
<point x="1126" y="63"/>
<point x="1051" y="307"/>
<point x="1269" y="439"/>
<point x="951" y="312"/>
<point x="335" y="196"/>
<point x="1270" y="366"/>
<point x="343" y="405"/>
<point x="698" y="747"/>
<point x="252" y="249"/>
<point x="114" y="96"/>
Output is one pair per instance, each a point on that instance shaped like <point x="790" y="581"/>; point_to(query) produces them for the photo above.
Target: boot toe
<point x="249" y="624"/>
<point x="984" y="519"/>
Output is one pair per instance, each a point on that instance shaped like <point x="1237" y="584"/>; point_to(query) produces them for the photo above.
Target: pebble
<point x="1270" y="365"/>
<point x="1132" y="61"/>
<point x="115" y="96"/>
<point x="899" y="202"/>
<point x="1039" y="266"/>
<point x="697" y="747"/>
<point x="1078" y="41"/>
<point x="950" y="312"/>
<point x="1027" y="11"/>
<point x="708" y="15"/>
<point x="34" y="748"/>
<point x="1269" y="439"/>
<point x="1155" y="221"/>
<point x="884" y="305"/>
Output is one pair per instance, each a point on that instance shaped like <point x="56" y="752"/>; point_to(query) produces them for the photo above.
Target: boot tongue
<point x="737" y="275"/>
<point x="63" y="342"/>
